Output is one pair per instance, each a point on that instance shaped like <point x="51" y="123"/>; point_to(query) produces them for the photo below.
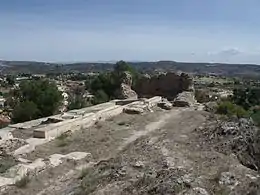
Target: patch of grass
<point x="22" y="183"/>
<point x="62" y="140"/>
<point x="90" y="181"/>
<point x="62" y="143"/>
<point x="62" y="136"/>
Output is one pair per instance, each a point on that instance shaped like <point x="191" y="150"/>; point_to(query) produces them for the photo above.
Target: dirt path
<point x="152" y="126"/>
<point x="154" y="153"/>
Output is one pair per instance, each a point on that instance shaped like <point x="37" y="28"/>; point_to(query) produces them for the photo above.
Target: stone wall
<point x="96" y="114"/>
<point x="165" y="85"/>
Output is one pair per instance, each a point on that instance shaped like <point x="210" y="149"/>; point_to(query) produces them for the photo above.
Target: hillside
<point x="249" y="70"/>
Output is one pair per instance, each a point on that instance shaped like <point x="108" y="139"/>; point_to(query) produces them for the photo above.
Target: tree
<point x="246" y="97"/>
<point x="77" y="99"/>
<point x="25" y="111"/>
<point x="105" y="84"/>
<point x="100" y="97"/>
<point x="122" y="66"/>
<point x="77" y="102"/>
<point x="42" y="93"/>
<point x="10" y="80"/>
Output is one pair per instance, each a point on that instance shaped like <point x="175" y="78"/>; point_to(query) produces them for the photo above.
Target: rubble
<point x="238" y="136"/>
<point x="10" y="145"/>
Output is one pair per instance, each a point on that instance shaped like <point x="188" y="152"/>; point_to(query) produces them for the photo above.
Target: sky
<point x="132" y="30"/>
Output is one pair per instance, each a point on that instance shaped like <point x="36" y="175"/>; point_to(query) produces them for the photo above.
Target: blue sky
<point x="144" y="30"/>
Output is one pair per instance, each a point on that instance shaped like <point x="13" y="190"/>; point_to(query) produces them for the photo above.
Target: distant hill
<point x="251" y="70"/>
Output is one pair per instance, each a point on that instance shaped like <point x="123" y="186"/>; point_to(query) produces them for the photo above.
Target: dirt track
<point x="154" y="153"/>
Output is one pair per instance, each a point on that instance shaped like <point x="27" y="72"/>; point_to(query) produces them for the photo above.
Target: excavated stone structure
<point x="125" y="91"/>
<point x="166" y="85"/>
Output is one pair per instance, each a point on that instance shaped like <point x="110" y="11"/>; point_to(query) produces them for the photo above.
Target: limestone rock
<point x="126" y="78"/>
<point x="133" y="110"/>
<point x="21" y="170"/>
<point x="165" y="105"/>
<point x="125" y="91"/>
<point x="166" y="85"/>
<point x="139" y="164"/>
<point x="184" y="99"/>
<point x="5" y="135"/>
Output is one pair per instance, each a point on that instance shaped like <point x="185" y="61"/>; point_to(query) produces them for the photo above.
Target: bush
<point x="105" y="84"/>
<point x="25" y="111"/>
<point x="78" y="102"/>
<point x="35" y="99"/>
<point x="202" y="96"/>
<point x="230" y="109"/>
<point x="100" y="97"/>
<point x="256" y="117"/>
<point x="246" y="97"/>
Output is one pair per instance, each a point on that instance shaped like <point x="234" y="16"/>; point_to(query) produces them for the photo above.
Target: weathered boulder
<point x="184" y="99"/>
<point x="5" y="135"/>
<point x="127" y="78"/>
<point x="165" y="105"/>
<point x="133" y="110"/>
<point x="125" y="91"/>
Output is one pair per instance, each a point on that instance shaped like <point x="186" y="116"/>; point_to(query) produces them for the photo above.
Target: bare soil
<point x="153" y="153"/>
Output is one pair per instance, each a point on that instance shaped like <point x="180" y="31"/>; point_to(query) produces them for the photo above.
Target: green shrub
<point x="256" y="117"/>
<point x="6" y="163"/>
<point x="230" y="109"/>
<point x="62" y="140"/>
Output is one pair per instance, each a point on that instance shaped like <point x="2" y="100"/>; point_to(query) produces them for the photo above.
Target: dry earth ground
<point x="152" y="153"/>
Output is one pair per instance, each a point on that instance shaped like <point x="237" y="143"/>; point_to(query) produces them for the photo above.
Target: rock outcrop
<point x="165" y="85"/>
<point x="185" y="99"/>
<point x="133" y="110"/>
<point x="125" y="91"/>
<point x="238" y="136"/>
<point x="165" y="104"/>
<point x="10" y="145"/>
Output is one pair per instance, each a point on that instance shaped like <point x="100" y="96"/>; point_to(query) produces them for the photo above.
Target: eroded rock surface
<point x="125" y="91"/>
<point x="185" y="99"/>
<point x="165" y="85"/>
